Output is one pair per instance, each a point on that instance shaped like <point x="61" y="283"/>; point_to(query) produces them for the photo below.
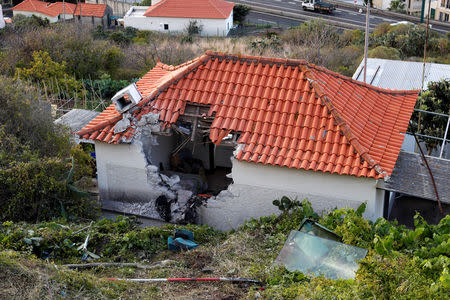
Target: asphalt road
<point x="341" y="14"/>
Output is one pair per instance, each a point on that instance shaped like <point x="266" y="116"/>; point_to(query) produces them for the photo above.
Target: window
<point x="440" y="16"/>
<point x="446" y="18"/>
<point x="166" y="26"/>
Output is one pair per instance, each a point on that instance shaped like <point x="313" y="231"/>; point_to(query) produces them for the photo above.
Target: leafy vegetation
<point x="436" y="99"/>
<point x="240" y="11"/>
<point x="36" y="179"/>
<point x="401" y="264"/>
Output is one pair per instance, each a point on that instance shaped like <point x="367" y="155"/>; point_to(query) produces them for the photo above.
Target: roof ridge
<point x="172" y="67"/>
<point x="290" y="61"/>
<point x="360" y="83"/>
<point x="195" y="63"/>
<point x="156" y="91"/>
<point x="344" y="127"/>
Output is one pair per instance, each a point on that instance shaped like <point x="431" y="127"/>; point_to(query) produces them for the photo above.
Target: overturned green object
<point x="317" y="251"/>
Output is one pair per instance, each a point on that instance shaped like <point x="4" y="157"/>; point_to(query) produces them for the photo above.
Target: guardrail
<point x="297" y="16"/>
<point x="387" y="13"/>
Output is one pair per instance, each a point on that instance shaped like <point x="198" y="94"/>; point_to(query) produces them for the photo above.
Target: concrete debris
<point x="122" y="125"/>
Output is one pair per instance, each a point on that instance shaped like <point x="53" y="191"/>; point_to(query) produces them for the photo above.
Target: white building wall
<point x="256" y="186"/>
<point x="211" y="27"/>
<point x="2" y="21"/>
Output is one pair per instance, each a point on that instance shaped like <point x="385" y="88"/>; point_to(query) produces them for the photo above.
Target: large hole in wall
<point x="186" y="166"/>
<point x="203" y="167"/>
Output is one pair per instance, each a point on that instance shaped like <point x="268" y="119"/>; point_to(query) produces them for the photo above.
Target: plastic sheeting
<point x="314" y="255"/>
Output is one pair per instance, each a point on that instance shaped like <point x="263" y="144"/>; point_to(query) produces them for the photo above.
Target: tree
<point x="435" y="99"/>
<point x="384" y="52"/>
<point x="193" y="28"/>
<point x="45" y="71"/>
<point x="34" y="171"/>
<point x="397" y="5"/>
<point x="240" y="11"/>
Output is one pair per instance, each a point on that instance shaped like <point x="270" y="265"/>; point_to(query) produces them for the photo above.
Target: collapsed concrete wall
<point x="129" y="178"/>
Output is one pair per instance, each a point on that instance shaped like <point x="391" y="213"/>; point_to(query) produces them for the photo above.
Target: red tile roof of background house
<point x="288" y="112"/>
<point x="204" y="9"/>
<point x="90" y="10"/>
<point x="37" y="6"/>
<point x="57" y="8"/>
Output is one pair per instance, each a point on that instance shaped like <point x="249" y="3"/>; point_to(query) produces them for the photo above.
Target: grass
<point x="415" y="266"/>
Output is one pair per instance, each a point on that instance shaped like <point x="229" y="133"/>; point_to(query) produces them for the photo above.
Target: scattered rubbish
<point x="109" y="264"/>
<point x="182" y="240"/>
<point x="316" y="250"/>
<point x="233" y="280"/>
<point x="87" y="255"/>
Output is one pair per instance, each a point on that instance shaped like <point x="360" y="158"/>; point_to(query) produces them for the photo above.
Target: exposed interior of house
<point x="202" y="166"/>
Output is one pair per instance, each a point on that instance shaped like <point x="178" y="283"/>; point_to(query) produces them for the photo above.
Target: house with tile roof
<point x="214" y="17"/>
<point x="264" y="127"/>
<point x="96" y="14"/>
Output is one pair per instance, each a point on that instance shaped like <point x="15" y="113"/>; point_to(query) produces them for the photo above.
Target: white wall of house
<point x="256" y="186"/>
<point x="37" y="14"/>
<point x="128" y="181"/>
<point x="382" y="4"/>
<point x="2" y="21"/>
<point x="210" y="27"/>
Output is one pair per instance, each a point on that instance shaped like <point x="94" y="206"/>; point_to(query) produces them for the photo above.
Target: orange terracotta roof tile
<point x="58" y="8"/>
<point x="90" y="10"/>
<point x="37" y="6"/>
<point x="204" y="9"/>
<point x="287" y="112"/>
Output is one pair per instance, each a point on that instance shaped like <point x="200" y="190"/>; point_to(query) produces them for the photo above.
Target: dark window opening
<point x="166" y="26"/>
<point x="123" y="102"/>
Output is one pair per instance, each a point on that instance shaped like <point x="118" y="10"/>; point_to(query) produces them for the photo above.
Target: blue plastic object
<point x="180" y="244"/>
<point x="182" y="240"/>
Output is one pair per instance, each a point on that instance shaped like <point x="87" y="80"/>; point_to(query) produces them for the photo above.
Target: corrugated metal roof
<point x="77" y="118"/>
<point x="400" y="75"/>
<point x="411" y="177"/>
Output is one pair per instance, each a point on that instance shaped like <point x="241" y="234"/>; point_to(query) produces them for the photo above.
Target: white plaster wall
<point x="382" y="4"/>
<point x="29" y="14"/>
<point x="122" y="174"/>
<point x="211" y="27"/>
<point x="2" y="21"/>
<point x="256" y="186"/>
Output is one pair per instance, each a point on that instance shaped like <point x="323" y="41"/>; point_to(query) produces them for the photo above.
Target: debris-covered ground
<point x="401" y="263"/>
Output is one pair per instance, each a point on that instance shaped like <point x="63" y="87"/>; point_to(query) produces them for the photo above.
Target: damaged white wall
<point x="256" y="186"/>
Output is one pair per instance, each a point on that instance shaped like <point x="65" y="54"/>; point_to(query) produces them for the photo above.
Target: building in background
<point x="214" y="17"/>
<point x="443" y="11"/>
<point x="95" y="14"/>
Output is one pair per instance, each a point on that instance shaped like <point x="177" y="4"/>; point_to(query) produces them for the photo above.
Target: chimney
<point x="126" y="98"/>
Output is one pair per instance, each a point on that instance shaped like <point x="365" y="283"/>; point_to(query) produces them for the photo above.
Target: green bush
<point x="36" y="179"/>
<point x="384" y="52"/>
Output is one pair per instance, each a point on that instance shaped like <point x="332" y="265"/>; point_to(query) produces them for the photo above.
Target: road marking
<point x="271" y="22"/>
<point x="293" y="3"/>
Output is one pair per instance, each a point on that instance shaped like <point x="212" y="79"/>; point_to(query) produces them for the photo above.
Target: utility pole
<point x="366" y="39"/>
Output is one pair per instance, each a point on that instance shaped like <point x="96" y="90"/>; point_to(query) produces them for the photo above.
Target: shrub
<point x="51" y="75"/>
<point x="384" y="52"/>
<point x="35" y="180"/>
